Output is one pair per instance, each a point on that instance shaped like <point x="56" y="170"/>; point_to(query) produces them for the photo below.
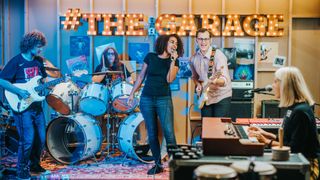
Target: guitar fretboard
<point x="48" y="84"/>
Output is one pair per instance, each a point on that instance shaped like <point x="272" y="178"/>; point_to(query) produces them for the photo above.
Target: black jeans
<point x="220" y="109"/>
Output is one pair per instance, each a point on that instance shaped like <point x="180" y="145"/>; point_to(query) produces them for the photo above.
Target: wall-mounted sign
<point x="181" y="24"/>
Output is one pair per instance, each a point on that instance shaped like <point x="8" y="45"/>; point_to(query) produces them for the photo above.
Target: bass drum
<point x="60" y="98"/>
<point x="133" y="139"/>
<point x="73" y="138"/>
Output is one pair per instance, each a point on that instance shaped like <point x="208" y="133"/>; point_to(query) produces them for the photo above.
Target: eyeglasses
<point x="110" y="54"/>
<point x="203" y="39"/>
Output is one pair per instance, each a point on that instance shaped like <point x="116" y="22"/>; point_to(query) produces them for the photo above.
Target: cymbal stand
<point x="111" y="129"/>
<point x="108" y="126"/>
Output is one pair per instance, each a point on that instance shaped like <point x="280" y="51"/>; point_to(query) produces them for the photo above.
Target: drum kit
<point x="8" y="134"/>
<point x="75" y="134"/>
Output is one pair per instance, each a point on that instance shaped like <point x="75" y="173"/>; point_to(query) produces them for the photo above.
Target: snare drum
<point x="64" y="97"/>
<point x="120" y="93"/>
<point x="94" y="99"/>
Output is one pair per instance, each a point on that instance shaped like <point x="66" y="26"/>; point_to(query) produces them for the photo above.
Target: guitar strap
<point x="211" y="63"/>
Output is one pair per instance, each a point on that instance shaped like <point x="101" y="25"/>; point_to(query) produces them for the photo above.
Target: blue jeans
<point x="32" y="130"/>
<point x="153" y="108"/>
<point x="220" y="109"/>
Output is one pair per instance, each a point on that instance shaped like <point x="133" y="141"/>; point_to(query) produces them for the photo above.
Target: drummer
<point x="110" y="62"/>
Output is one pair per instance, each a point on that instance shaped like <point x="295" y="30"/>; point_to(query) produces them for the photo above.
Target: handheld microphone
<point x="268" y="88"/>
<point x="172" y="51"/>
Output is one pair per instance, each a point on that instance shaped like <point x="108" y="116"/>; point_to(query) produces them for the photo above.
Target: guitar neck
<point x="48" y="84"/>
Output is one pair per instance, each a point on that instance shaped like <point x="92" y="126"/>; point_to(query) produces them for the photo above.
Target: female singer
<point x="160" y="69"/>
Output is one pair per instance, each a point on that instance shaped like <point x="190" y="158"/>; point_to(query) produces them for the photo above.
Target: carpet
<point x="115" y="167"/>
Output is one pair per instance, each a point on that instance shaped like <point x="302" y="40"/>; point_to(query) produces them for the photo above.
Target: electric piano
<point x="266" y="123"/>
<point x="222" y="137"/>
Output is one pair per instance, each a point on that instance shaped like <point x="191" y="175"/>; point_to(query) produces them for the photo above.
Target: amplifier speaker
<point x="241" y="109"/>
<point x="241" y="95"/>
<point x="270" y="109"/>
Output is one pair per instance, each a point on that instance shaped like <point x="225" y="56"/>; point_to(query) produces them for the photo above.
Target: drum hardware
<point x="8" y="140"/>
<point x="72" y="94"/>
<point x="111" y="134"/>
<point x="106" y="72"/>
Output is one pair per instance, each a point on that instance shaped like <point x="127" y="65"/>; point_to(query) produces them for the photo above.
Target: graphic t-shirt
<point x="20" y="70"/>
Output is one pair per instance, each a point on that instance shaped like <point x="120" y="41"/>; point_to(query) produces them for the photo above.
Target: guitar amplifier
<point x="270" y="109"/>
<point x="239" y="89"/>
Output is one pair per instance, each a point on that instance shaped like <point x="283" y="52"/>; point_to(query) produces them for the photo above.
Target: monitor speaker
<point x="241" y="109"/>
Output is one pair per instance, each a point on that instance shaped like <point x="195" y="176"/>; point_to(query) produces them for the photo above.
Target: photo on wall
<point x="244" y="67"/>
<point x="184" y="70"/>
<point x="267" y="52"/>
<point x="231" y="54"/>
<point x="138" y="51"/>
<point x="279" y="61"/>
<point x="79" y="45"/>
<point x="78" y="65"/>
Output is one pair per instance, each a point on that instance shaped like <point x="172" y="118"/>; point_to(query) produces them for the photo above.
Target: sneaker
<point x="156" y="169"/>
<point x="37" y="169"/>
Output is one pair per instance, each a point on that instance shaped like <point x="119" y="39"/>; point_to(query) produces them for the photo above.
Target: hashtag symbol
<point x="72" y="19"/>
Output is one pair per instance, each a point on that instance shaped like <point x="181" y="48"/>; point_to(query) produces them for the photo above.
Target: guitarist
<point x="211" y="76"/>
<point x="31" y="122"/>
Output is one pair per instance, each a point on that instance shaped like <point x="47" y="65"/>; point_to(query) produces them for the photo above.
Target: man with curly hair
<point x="31" y="122"/>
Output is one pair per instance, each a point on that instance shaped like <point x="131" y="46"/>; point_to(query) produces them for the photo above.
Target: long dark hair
<point x="32" y="39"/>
<point x="104" y="57"/>
<point x="162" y="43"/>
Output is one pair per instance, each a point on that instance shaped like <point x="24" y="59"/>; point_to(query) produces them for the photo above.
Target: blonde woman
<point x="299" y="125"/>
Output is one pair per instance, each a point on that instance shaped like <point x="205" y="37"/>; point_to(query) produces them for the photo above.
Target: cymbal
<point x="107" y="72"/>
<point x="51" y="68"/>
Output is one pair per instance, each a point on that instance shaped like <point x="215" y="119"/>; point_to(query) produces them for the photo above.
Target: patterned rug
<point x="114" y="167"/>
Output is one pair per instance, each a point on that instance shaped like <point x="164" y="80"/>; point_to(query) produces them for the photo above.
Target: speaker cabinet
<point x="241" y="109"/>
<point x="270" y="109"/>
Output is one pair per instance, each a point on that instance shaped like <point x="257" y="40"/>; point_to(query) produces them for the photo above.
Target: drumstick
<point x="280" y="137"/>
<point x="103" y="63"/>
